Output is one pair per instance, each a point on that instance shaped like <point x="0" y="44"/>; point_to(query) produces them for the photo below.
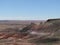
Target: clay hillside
<point x="29" y="32"/>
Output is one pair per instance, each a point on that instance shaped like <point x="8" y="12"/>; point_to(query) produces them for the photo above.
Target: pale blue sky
<point x="29" y="9"/>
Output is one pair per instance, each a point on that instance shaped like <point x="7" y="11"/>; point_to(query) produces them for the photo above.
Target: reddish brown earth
<point x="19" y="33"/>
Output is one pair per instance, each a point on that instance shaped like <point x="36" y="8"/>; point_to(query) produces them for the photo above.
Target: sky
<point x="29" y="9"/>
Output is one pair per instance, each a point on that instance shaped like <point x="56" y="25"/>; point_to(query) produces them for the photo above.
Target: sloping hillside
<point x="47" y="31"/>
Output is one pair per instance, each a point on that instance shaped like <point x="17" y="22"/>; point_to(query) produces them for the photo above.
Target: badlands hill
<point x="29" y="31"/>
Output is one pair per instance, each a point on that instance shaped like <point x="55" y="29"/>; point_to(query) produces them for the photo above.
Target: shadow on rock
<point x="48" y="40"/>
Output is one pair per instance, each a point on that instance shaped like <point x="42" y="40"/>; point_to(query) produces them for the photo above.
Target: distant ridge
<point x="53" y="19"/>
<point x="20" y="21"/>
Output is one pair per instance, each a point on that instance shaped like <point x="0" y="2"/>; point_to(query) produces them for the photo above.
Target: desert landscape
<point x="30" y="32"/>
